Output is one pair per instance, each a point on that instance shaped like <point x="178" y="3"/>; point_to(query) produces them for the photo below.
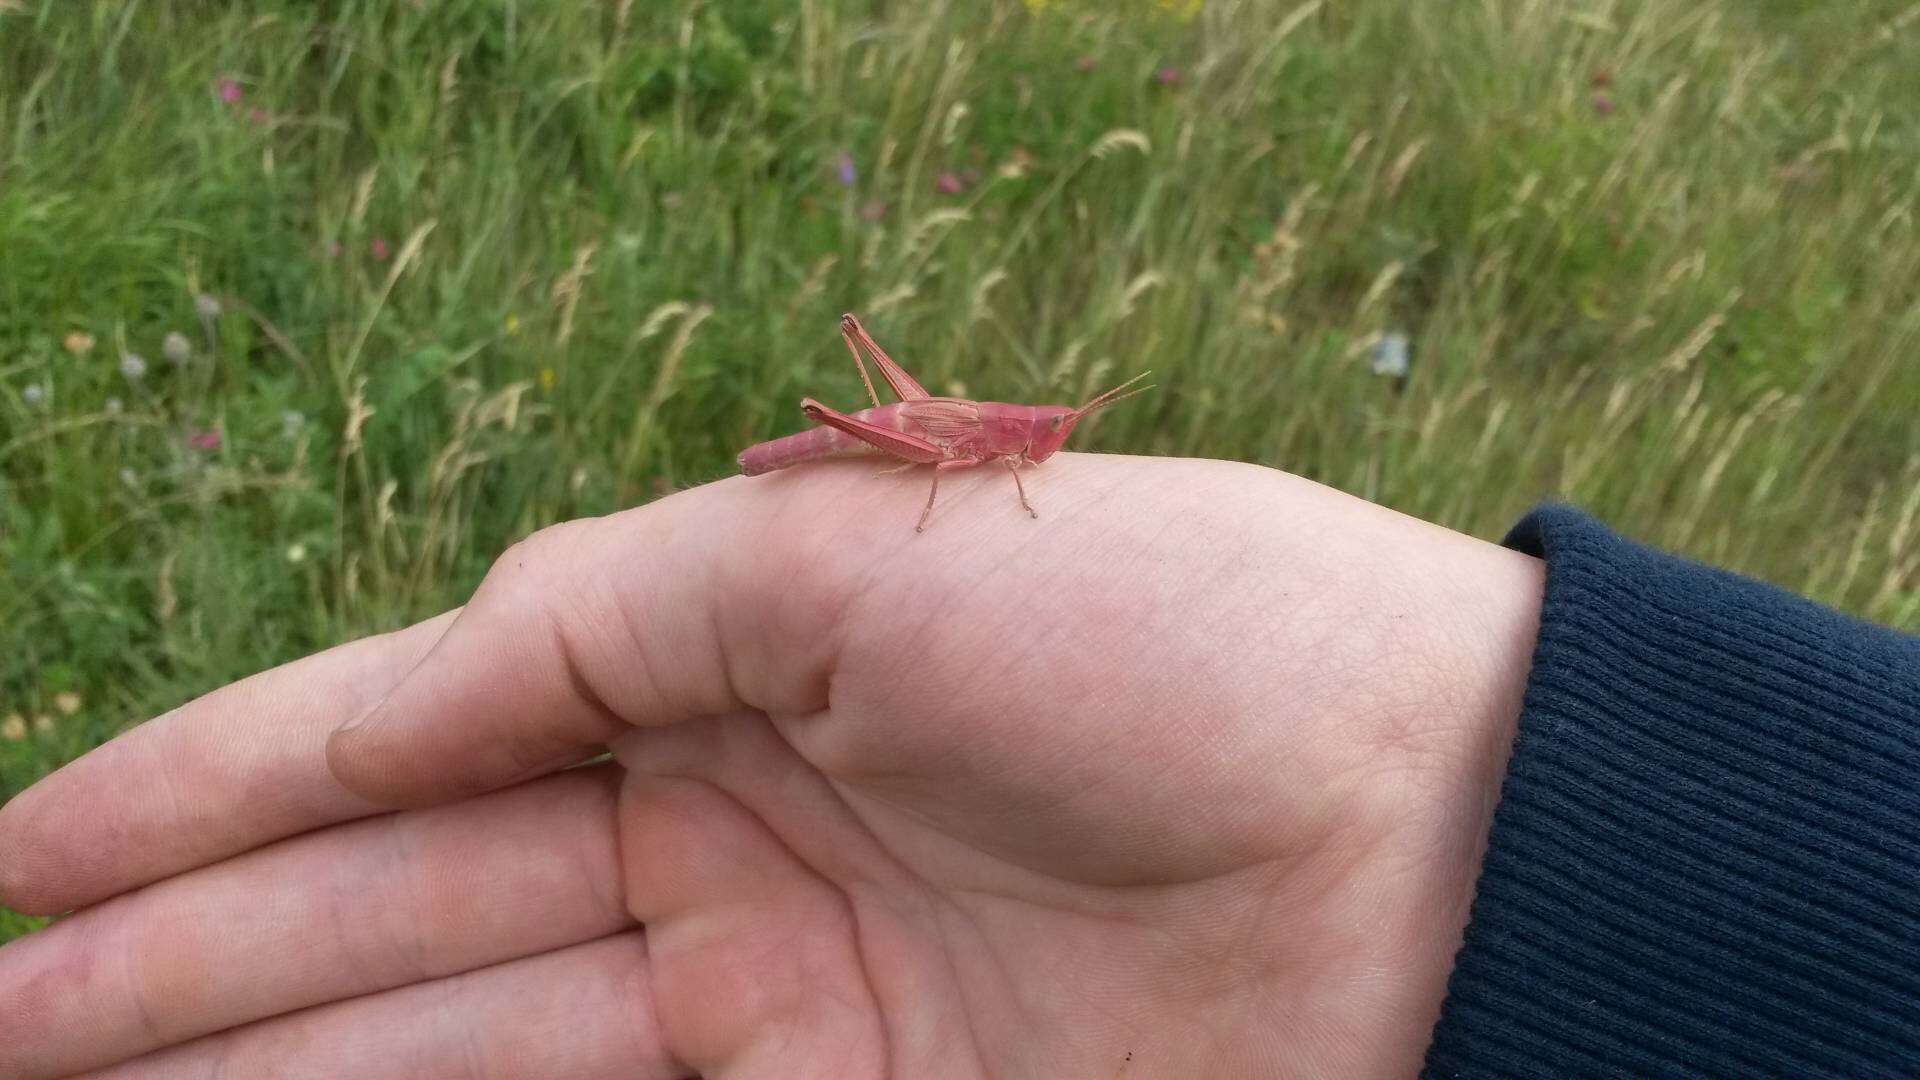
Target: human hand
<point x="1187" y="778"/>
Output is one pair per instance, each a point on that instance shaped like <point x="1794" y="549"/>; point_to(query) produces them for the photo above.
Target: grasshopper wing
<point x="948" y="420"/>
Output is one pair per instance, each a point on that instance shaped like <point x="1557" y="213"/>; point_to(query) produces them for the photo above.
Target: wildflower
<point x="67" y="702"/>
<point x="43" y="724"/>
<point x="133" y="366"/>
<point x="35" y="394"/>
<point x="13" y="728"/>
<point x="333" y="249"/>
<point x="1167" y="76"/>
<point x="130" y="478"/>
<point x="1603" y="104"/>
<point x="846" y="170"/>
<point x="1017" y="163"/>
<point x="1390" y="355"/>
<point x="257" y="115"/>
<point x="297" y="553"/>
<point x="177" y="349"/>
<point x="379" y="249"/>
<point x="206" y="306"/>
<point x="229" y="91"/>
<point x="548" y="378"/>
<point x="113" y="406"/>
<point x="78" y="343"/>
<point x="949" y="184"/>
<point x="204" y="438"/>
<point x="512" y="323"/>
<point x="292" y="421"/>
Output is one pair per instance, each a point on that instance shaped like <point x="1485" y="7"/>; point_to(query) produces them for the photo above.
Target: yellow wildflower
<point x="79" y="343"/>
<point x="547" y="378"/>
<point x="513" y="323"/>
<point x="43" y="724"/>
<point x="13" y="729"/>
<point x="67" y="702"/>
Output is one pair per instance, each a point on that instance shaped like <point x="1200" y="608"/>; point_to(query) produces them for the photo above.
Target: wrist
<point x="1441" y="763"/>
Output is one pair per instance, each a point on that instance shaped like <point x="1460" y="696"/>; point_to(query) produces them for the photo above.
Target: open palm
<point x="1185" y="778"/>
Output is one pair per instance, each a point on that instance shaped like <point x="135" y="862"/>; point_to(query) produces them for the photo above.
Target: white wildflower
<point x="1390" y="355"/>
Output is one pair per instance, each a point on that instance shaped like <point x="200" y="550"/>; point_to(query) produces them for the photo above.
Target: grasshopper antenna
<point x="1101" y="401"/>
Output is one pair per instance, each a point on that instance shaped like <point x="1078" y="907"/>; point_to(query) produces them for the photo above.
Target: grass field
<point x="307" y="310"/>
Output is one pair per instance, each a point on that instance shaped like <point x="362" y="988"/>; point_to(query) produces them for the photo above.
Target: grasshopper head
<point x="1053" y="423"/>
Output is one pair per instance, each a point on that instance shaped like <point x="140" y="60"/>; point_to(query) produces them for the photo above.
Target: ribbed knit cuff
<point x="1706" y="856"/>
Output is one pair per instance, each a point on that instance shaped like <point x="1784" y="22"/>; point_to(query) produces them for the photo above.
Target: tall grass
<point x="480" y="267"/>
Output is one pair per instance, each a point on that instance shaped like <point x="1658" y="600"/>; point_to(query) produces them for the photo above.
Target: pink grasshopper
<point x="947" y="433"/>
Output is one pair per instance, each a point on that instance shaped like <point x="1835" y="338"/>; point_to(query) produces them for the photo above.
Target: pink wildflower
<point x="949" y="184"/>
<point x="379" y="249"/>
<point x="204" y="438"/>
<point x="1603" y="104"/>
<point x="1167" y="76"/>
<point x="229" y="91"/>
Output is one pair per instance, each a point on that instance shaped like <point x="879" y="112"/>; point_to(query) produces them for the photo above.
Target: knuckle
<point x="528" y="570"/>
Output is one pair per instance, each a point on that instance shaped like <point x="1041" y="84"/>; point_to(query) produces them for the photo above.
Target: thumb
<point x="576" y="633"/>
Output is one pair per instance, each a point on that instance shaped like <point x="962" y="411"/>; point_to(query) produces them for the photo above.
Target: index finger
<point x="239" y="767"/>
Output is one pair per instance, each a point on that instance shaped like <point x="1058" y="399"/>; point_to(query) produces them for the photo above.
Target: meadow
<point x="307" y="311"/>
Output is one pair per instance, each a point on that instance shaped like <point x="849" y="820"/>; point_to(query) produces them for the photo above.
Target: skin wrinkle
<point x="406" y="939"/>
<point x="729" y="620"/>
<point x="132" y="975"/>
<point x="609" y="890"/>
<point x="473" y="1043"/>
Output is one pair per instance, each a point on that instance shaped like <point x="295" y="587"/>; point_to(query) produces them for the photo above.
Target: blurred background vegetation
<point x="306" y="310"/>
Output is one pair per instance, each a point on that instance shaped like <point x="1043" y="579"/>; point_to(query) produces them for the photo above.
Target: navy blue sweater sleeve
<point x="1706" y="856"/>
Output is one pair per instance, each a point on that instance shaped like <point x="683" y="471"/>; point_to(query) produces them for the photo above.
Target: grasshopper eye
<point x="1055" y="423"/>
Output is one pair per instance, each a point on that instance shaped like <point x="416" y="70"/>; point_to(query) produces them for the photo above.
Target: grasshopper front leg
<point x="1013" y="466"/>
